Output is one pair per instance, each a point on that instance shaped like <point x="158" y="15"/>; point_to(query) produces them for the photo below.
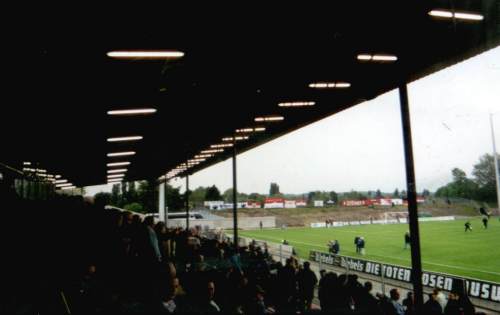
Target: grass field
<point x="445" y="246"/>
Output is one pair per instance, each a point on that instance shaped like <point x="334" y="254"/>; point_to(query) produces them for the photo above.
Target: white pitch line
<point x="401" y="259"/>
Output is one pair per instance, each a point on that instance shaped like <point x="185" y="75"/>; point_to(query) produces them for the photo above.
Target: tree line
<point x="481" y="187"/>
<point x="142" y="196"/>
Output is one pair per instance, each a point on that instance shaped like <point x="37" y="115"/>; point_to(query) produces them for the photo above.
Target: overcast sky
<point x="361" y="148"/>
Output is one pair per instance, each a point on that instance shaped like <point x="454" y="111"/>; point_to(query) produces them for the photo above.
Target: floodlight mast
<point x="495" y="160"/>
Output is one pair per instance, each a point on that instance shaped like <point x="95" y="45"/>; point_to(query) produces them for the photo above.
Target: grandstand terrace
<point x="92" y="101"/>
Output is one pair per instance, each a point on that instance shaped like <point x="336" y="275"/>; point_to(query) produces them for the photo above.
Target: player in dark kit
<point x="485" y="222"/>
<point x="334" y="247"/>
<point x="407" y="240"/>
<point x="484" y="212"/>
<point x="468" y="226"/>
<point x="361" y="245"/>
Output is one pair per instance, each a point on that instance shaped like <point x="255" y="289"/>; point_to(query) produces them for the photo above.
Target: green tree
<point x="458" y="175"/>
<point x="115" y="195"/>
<point x="228" y="196"/>
<point x="354" y="195"/>
<point x="484" y="177"/>
<point x="147" y="194"/>
<point x="213" y="194"/>
<point x="131" y="192"/>
<point x="257" y="197"/>
<point x="396" y="193"/>
<point x="426" y="193"/>
<point x="124" y="195"/>
<point x="334" y="196"/>
<point x="197" y="196"/>
<point x="254" y="196"/>
<point x="274" y="190"/>
<point x="311" y="196"/>
<point x="378" y="194"/>
<point x="173" y="198"/>
<point x="460" y="187"/>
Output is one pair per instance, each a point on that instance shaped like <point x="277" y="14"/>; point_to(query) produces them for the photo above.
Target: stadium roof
<point x="237" y="65"/>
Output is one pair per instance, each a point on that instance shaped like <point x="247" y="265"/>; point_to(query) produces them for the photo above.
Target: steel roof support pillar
<point x="416" y="262"/>
<point x="235" y="198"/>
<point x="187" y="201"/>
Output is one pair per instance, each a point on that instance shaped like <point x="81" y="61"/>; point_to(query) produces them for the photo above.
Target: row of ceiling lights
<point x="56" y="180"/>
<point x="364" y="57"/>
<point x="244" y="133"/>
<point x="116" y="175"/>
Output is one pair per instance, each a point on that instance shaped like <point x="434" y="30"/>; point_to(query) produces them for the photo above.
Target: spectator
<point x="321" y="286"/>
<point x="367" y="301"/>
<point x="151" y="247"/>
<point x="257" y="306"/>
<point x="394" y="300"/>
<point x="161" y="234"/>
<point x="288" y="286"/>
<point x="432" y="306"/>
<point x="409" y="304"/>
<point x="207" y="303"/>
<point x="307" y="280"/>
<point x="440" y="298"/>
<point x="458" y="302"/>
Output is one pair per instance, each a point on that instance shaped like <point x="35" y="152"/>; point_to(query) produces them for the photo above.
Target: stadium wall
<point x="485" y="293"/>
<point x="387" y="221"/>
<point x="226" y="223"/>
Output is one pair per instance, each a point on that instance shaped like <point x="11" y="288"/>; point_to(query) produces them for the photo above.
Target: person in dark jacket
<point x="468" y="226"/>
<point x="484" y="212"/>
<point x="307" y="280"/>
<point x="459" y="303"/>
<point x="407" y="239"/>
<point x="257" y="304"/>
<point x="361" y="245"/>
<point x="409" y="304"/>
<point x="432" y="306"/>
<point x="485" y="222"/>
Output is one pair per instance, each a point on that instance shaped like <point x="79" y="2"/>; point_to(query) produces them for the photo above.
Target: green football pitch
<point x="445" y="246"/>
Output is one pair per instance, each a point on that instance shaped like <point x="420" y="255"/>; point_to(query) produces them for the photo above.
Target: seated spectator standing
<point x="409" y="304"/>
<point x="151" y="248"/>
<point x="207" y="304"/>
<point x="432" y="306"/>
<point x="307" y="281"/>
<point x="149" y="257"/>
<point x="394" y="300"/>
<point x="458" y="301"/>
<point x="93" y="282"/>
<point x="257" y="305"/>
